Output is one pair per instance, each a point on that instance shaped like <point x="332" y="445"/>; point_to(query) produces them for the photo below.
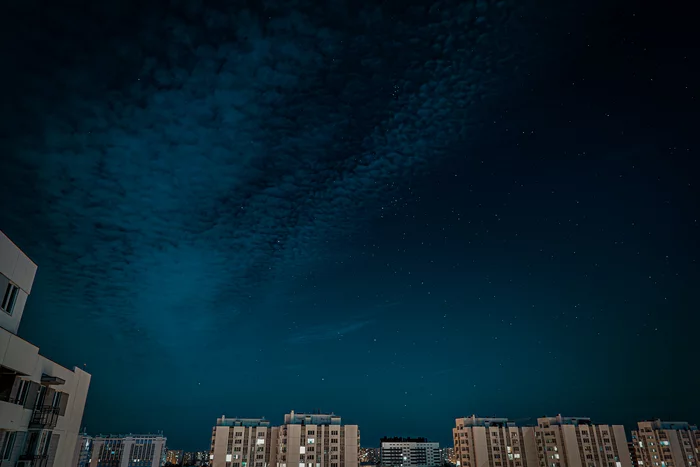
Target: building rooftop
<point x="398" y="439"/>
<point x="662" y="425"/>
<point x="293" y="418"/>
<point x="223" y="421"/>
<point x="129" y="435"/>
<point x="485" y="422"/>
<point x="559" y="420"/>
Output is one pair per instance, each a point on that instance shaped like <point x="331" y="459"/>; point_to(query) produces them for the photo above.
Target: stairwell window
<point x="9" y="298"/>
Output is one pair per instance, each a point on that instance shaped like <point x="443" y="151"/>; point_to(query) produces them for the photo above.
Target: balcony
<point x="33" y="460"/>
<point x="44" y="417"/>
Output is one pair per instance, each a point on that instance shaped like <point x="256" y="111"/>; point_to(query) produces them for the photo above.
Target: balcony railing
<point x="44" y="417"/>
<point x="33" y="460"/>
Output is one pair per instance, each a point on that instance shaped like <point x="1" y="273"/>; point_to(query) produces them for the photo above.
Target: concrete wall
<point x="21" y="356"/>
<point x="15" y="266"/>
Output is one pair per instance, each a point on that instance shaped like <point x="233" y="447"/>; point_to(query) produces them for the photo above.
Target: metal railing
<point x="44" y="417"/>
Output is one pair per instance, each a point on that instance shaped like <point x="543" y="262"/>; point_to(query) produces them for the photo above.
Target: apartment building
<point x="576" y="442"/>
<point x="666" y="444"/>
<point x="243" y="442"/>
<point x="41" y="402"/>
<point x="317" y="440"/>
<point x="304" y="440"/>
<point x="409" y="452"/>
<point x="128" y="451"/>
<point x="83" y="451"/>
<point x="493" y="442"/>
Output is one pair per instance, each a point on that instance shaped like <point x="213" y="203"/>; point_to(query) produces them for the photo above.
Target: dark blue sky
<point x="403" y="212"/>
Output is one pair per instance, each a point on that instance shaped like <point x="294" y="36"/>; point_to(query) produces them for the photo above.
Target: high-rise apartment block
<point x="128" y="451"/>
<point x="243" y="442"/>
<point x="410" y="452"/>
<point x="666" y="444"/>
<point x="554" y="442"/>
<point x="494" y="442"/>
<point x="83" y="451"/>
<point x="41" y="402"/>
<point x="576" y="442"/>
<point x="304" y="440"/>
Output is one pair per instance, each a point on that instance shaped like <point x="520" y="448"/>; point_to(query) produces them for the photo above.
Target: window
<point x="302" y="449"/>
<point x="22" y="391"/>
<point x="9" y="444"/>
<point x="311" y="441"/>
<point x="9" y="299"/>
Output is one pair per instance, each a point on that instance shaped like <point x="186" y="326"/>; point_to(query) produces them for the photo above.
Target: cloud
<point x="169" y="166"/>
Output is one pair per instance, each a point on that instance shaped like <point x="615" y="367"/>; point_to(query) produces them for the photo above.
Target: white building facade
<point x="409" y="452"/>
<point x="128" y="451"/>
<point x="41" y="402"/>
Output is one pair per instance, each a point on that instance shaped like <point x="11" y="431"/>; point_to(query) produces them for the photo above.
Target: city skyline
<point x="402" y="211"/>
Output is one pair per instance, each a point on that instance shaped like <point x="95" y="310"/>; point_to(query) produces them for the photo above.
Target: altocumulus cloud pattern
<point x="170" y="162"/>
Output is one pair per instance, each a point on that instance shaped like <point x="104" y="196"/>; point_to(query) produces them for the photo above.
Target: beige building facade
<point x="554" y="442"/>
<point x="493" y="442"/>
<point x="41" y="402"/>
<point x="304" y="440"/>
<point x="576" y="442"/>
<point x="666" y="444"/>
<point x="243" y="442"/>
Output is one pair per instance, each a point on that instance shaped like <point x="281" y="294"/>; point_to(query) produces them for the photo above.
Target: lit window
<point x="311" y="441"/>
<point x="9" y="299"/>
<point x="664" y="443"/>
<point x="228" y="457"/>
<point x="517" y="456"/>
<point x="302" y="449"/>
<point x="260" y="441"/>
<point x="302" y="464"/>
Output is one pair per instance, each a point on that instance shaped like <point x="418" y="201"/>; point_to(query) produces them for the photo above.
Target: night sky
<point x="403" y="212"/>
